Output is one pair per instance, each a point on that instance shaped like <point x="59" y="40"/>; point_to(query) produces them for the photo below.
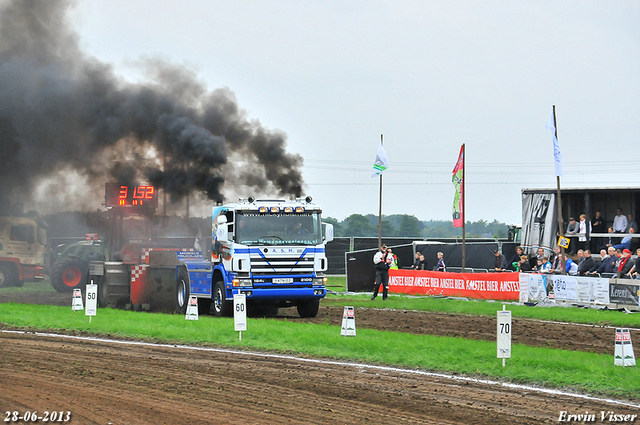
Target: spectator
<point x="608" y="262"/>
<point x="440" y="267"/>
<point x="394" y="260"/>
<point x="608" y="240"/>
<point x="586" y="264"/>
<point x="631" y="223"/>
<point x="598" y="225"/>
<point x="416" y="263"/>
<point x="382" y="261"/>
<point x="572" y="229"/>
<point x="523" y="265"/>
<point x="636" y="266"/>
<point x="618" y="258"/>
<point x="580" y="255"/>
<point x="620" y="223"/>
<point x="499" y="263"/>
<point x="626" y="241"/>
<point x="423" y="263"/>
<point x="624" y="266"/>
<point x="555" y="260"/>
<point x="570" y="267"/>
<point x="596" y="264"/>
<point x="546" y="265"/>
<point x="582" y="228"/>
<point x="513" y="263"/>
<point x="541" y="254"/>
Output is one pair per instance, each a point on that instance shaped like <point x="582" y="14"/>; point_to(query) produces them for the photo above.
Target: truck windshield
<point x="278" y="229"/>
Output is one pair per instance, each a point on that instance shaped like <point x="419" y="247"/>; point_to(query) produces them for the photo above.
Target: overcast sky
<point x="429" y="75"/>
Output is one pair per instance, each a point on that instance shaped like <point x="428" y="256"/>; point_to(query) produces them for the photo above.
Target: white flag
<point x="557" y="156"/>
<point x="382" y="161"/>
<point x="551" y="125"/>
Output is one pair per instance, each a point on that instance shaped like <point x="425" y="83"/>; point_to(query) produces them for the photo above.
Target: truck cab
<point x="272" y="251"/>
<point x="22" y="250"/>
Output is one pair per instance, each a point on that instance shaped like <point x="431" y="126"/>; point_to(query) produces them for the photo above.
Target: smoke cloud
<point x="64" y="112"/>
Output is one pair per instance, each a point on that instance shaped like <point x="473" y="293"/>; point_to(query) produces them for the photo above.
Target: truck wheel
<point x="183" y="292"/>
<point x="221" y="307"/>
<point x="308" y="308"/>
<point x="68" y="273"/>
<point x="8" y="276"/>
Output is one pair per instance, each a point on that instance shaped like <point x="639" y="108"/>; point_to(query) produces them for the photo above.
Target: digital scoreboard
<point x="118" y="195"/>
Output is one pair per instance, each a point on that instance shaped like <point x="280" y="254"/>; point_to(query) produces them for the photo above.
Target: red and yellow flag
<point x="458" y="176"/>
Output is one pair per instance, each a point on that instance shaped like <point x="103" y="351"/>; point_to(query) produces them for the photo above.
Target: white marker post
<point x="348" y="322"/>
<point x="91" y="300"/>
<point x="623" y="355"/>
<point x="192" y="309"/>
<point x="504" y="335"/>
<point x="239" y="314"/>
<point x="76" y="304"/>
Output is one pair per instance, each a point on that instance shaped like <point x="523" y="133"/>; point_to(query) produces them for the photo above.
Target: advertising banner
<point x="486" y="286"/>
<point x="565" y="288"/>
<point x="586" y="290"/>
<point x="593" y="290"/>
<point x="624" y="294"/>
<point x="533" y="287"/>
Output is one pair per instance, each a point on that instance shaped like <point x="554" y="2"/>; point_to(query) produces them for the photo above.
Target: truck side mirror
<point x="221" y="228"/>
<point x="327" y="232"/>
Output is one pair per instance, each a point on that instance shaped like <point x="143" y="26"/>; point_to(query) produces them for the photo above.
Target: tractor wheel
<point x="308" y="308"/>
<point x="183" y="292"/>
<point x="8" y="276"/>
<point x="221" y="307"/>
<point x="68" y="274"/>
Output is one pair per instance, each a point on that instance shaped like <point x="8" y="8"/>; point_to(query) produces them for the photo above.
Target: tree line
<point x="404" y="225"/>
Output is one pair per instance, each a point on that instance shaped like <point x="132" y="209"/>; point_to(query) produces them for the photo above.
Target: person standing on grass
<point x="382" y="260"/>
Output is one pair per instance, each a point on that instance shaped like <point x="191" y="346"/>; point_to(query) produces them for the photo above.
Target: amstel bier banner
<point x="485" y="286"/>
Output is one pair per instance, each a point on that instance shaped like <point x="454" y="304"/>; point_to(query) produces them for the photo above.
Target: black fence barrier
<point x="361" y="272"/>
<point x="478" y="255"/>
<point x="339" y="247"/>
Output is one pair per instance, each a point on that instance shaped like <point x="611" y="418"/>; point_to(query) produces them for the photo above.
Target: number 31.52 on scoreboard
<point x="119" y="195"/>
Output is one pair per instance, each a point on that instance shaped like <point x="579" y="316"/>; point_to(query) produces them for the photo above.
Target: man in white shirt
<point x="620" y="222"/>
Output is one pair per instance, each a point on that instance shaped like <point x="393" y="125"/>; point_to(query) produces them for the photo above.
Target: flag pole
<point x="464" y="211"/>
<point x="560" y="220"/>
<point x="380" y="207"/>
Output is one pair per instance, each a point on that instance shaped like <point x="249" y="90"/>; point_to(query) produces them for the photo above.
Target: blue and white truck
<point x="273" y="251"/>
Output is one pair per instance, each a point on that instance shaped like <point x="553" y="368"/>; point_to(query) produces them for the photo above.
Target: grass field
<point x="587" y="372"/>
<point x="579" y="371"/>
<point x="479" y="307"/>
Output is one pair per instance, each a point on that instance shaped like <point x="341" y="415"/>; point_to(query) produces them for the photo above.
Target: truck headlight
<point x="242" y="282"/>
<point x="320" y="281"/>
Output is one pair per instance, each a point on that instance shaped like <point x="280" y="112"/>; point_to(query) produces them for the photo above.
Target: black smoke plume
<point x="62" y="110"/>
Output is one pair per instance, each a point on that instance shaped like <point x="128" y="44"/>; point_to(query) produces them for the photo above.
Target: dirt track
<point x="103" y="383"/>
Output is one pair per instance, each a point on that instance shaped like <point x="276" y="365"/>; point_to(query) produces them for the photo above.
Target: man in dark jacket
<point x="586" y="264"/>
<point x="382" y="261"/>
<point x="608" y="263"/>
<point x="500" y="263"/>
